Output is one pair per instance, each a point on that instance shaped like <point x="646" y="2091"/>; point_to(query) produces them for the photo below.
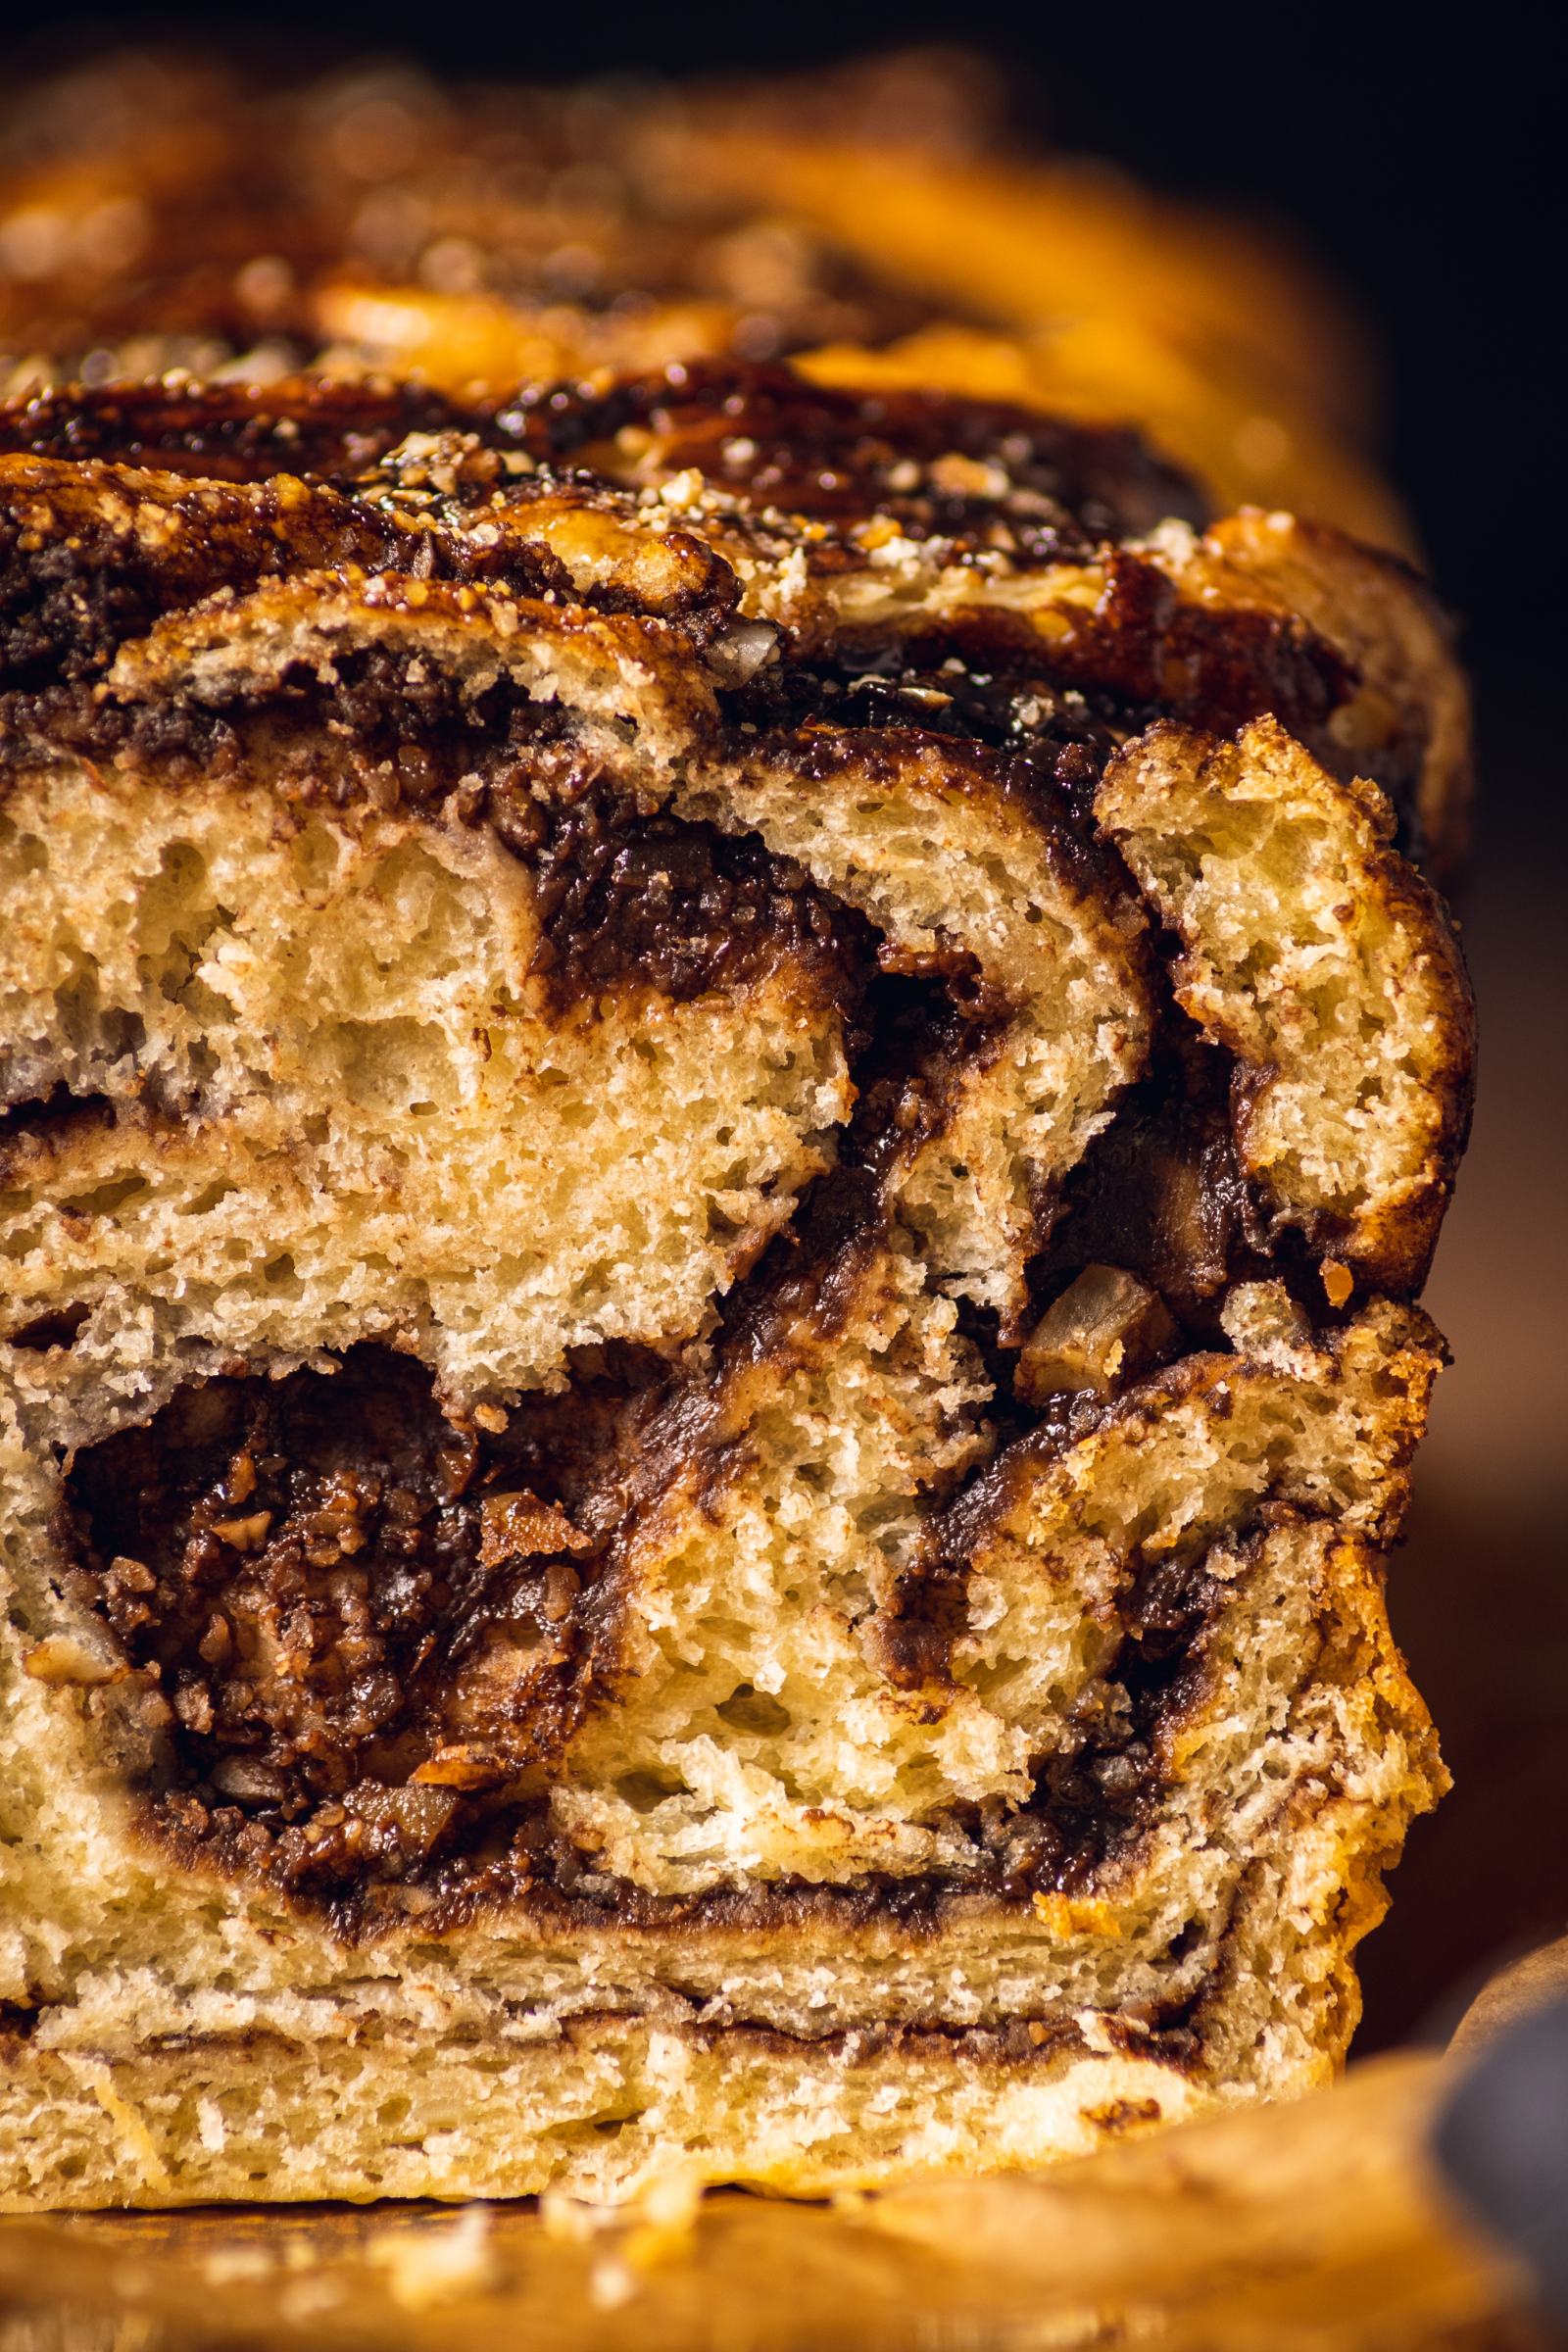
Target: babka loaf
<point x="164" y="209"/>
<point x="723" y="1104"/>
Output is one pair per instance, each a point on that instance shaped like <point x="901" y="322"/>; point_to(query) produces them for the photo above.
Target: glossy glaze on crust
<point x="391" y="484"/>
<point x="162" y="211"/>
<point x="257" y="215"/>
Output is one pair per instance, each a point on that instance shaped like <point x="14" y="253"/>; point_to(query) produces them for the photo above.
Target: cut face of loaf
<point x="722" y="1107"/>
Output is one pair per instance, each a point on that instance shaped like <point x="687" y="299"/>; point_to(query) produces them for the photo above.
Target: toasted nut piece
<point x="1106" y="1326"/>
<point x="66" y="1659"/>
<point x="520" y="1527"/>
<point x="243" y="1776"/>
<point x="246" y="1535"/>
<point x="462" y="1766"/>
<point x="1337" y="1280"/>
<point x="416" y="1815"/>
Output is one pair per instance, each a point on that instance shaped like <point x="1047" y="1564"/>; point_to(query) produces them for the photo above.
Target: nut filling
<point x="366" y="1634"/>
<point x="355" y="1619"/>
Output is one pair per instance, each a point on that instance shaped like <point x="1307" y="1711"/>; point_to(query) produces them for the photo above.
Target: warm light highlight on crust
<point x="885" y="219"/>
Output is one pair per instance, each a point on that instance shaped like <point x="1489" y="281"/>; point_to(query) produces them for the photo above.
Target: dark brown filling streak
<point x="784" y="446"/>
<point x="310" y="1576"/>
<point x="303" y="1574"/>
<point x="374" y="1549"/>
<point x="1163" y="2031"/>
<point x="768" y="434"/>
<point x="629" y="899"/>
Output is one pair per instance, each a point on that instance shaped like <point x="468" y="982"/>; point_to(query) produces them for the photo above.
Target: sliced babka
<point x="722" y="1102"/>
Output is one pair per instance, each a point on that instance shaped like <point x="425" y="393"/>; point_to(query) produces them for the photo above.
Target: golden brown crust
<point x="167" y="212"/>
<point x="1006" y="540"/>
<point x="1412" y="701"/>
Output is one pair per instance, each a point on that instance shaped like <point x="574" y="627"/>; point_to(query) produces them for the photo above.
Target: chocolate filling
<point x="1160" y="1191"/>
<point x="883" y="688"/>
<point x="678" y="907"/>
<point x="364" y="1634"/>
<point x="975" y="470"/>
<point x="1097" y="1794"/>
<point x="628" y="899"/>
<point x="361" y="1618"/>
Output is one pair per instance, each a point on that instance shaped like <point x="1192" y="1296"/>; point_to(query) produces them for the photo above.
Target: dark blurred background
<point x="1423" y="167"/>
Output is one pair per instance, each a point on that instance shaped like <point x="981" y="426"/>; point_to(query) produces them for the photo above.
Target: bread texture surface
<point x="722" y="1102"/>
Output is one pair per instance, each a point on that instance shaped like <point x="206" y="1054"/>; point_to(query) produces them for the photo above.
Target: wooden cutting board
<point x="1296" y="2229"/>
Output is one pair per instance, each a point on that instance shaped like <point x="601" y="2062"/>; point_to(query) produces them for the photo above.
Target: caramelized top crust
<point x="886" y="534"/>
<point x="120" y="506"/>
<point x="254" y="215"/>
<point x="980" y="471"/>
<point x="935" y="463"/>
<point x="184" y="212"/>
